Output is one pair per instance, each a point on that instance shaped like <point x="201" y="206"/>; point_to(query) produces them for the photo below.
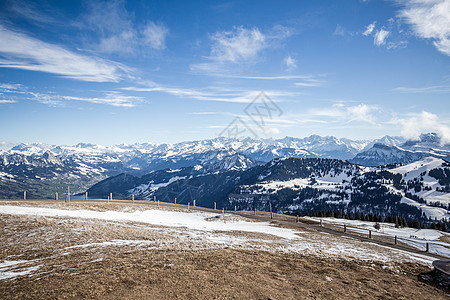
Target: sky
<point x="113" y="72"/>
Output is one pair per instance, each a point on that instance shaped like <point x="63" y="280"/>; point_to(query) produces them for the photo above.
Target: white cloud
<point x="342" y="113"/>
<point x="290" y="62"/>
<point x="369" y="29"/>
<point x="18" y="92"/>
<point x="155" y="36"/>
<point x="309" y="82"/>
<point x="211" y="93"/>
<point x="237" y="45"/>
<point x="20" y="51"/>
<point x="380" y="37"/>
<point x="424" y="122"/>
<point x="112" y="98"/>
<point x="430" y="19"/>
<point x="11" y="87"/>
<point x="111" y="21"/>
<point x="7" y="101"/>
<point x="123" y="42"/>
<point x="426" y="89"/>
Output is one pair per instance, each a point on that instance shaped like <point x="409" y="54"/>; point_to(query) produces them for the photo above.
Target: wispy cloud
<point x="369" y="29"/>
<point x="155" y="36"/>
<point x="19" y="92"/>
<point x="118" y="33"/>
<point x="211" y="93"/>
<point x="390" y="35"/>
<point x="7" y="101"/>
<point x="290" y="63"/>
<point x="427" y="89"/>
<point x="380" y="37"/>
<point x="111" y="98"/>
<point x="20" y="51"/>
<point x="339" y="30"/>
<point x="31" y="12"/>
<point x="430" y="19"/>
<point x="238" y="46"/>
<point x="310" y="82"/>
<point x="343" y="113"/>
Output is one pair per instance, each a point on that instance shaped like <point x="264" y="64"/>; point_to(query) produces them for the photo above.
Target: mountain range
<point x="42" y="170"/>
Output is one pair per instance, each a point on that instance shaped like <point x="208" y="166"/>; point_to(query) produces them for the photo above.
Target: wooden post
<point x="189" y="204"/>
<point x="56" y="196"/>
<point x="158" y="202"/>
<point x="132" y="198"/>
<point x="194" y="203"/>
<point x="395" y="240"/>
<point x="428" y="247"/>
<point x="154" y="199"/>
<point x="85" y="196"/>
<point x="296" y="219"/>
<point x="223" y="216"/>
<point x="345" y="227"/>
<point x="110" y="196"/>
<point x="270" y="208"/>
<point x="215" y="206"/>
<point x="321" y="225"/>
<point x="370" y="234"/>
<point x="235" y="208"/>
<point x="25" y="195"/>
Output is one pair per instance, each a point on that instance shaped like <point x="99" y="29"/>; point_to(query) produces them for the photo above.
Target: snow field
<point x="183" y="231"/>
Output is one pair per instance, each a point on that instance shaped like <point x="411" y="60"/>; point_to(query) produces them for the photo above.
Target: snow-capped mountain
<point x="407" y="152"/>
<point x="86" y="164"/>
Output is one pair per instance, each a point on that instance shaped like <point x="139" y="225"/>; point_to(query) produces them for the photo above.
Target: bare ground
<point x="89" y="259"/>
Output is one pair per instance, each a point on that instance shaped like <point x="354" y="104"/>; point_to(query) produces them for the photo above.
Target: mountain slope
<point x="390" y="151"/>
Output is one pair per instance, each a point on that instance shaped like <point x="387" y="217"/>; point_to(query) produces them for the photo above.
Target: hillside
<point x="111" y="251"/>
<point x="414" y="191"/>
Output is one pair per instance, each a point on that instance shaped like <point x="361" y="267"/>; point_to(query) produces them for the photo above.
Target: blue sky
<point x="113" y="72"/>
